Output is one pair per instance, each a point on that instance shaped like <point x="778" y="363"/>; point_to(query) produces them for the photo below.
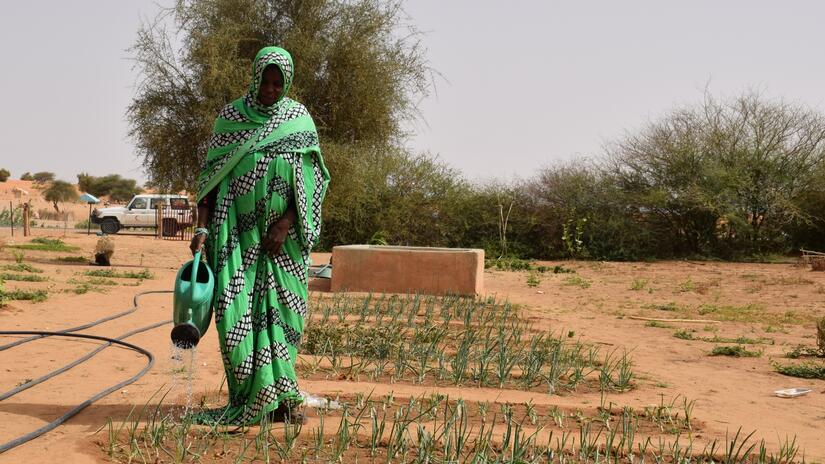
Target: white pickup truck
<point x="142" y="212"/>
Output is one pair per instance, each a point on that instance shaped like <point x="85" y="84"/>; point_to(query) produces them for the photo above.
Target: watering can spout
<point x="192" y="303"/>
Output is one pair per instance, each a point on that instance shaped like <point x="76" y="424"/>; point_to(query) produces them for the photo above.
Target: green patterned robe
<point x="260" y="159"/>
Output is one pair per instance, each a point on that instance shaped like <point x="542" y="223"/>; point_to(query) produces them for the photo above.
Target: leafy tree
<point x="723" y="178"/>
<point x="26" y="176"/>
<point x="4" y="175"/>
<point x="359" y="80"/>
<point x="43" y="177"/>
<point x="116" y="187"/>
<point x="60" y="192"/>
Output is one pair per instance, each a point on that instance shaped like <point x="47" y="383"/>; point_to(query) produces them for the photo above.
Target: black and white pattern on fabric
<point x="317" y="200"/>
<point x="259" y="359"/>
<point x="215" y="161"/>
<point x="271" y="317"/>
<point x="301" y="199"/>
<point x="225" y="252"/>
<point x="292" y="142"/>
<point x="230" y="113"/>
<point x="241" y="186"/>
<point x="240" y="330"/>
<point x="292" y="301"/>
<point x="237" y="282"/>
<point x="212" y="168"/>
<point x="228" y="138"/>
<point x="248" y="221"/>
<point x="235" y="286"/>
<point x="283" y="261"/>
<point x="296" y="111"/>
<point x="267" y="395"/>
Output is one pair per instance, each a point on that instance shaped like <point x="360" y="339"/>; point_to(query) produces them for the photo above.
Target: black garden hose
<point x="34" y="335"/>
<point x="88" y="324"/>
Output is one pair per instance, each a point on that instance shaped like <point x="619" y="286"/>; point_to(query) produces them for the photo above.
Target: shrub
<point x="737" y="351"/>
<point x="4" y="175"/>
<point x="104" y="249"/>
<point x="806" y="370"/>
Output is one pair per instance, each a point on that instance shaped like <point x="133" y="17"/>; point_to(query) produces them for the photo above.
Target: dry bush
<point x="818" y="263"/>
<point x="104" y="249"/>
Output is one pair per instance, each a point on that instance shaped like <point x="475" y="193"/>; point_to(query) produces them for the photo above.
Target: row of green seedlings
<point x="44" y="244"/>
<point x="99" y="279"/>
<point x="452" y="341"/>
<point x="810" y="368"/>
<point x="516" y="264"/>
<point x="738" y="350"/>
<point x="431" y="429"/>
<point x="24" y="273"/>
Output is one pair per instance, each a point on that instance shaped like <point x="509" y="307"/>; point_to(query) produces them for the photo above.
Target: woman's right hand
<point x="197" y="243"/>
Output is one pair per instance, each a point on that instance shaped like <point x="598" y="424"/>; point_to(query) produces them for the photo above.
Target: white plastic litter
<point x="319" y="401"/>
<point x="792" y="392"/>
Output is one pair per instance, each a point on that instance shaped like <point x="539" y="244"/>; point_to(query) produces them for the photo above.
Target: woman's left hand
<point x="276" y="237"/>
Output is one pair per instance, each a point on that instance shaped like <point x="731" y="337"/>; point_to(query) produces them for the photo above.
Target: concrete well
<point x="397" y="269"/>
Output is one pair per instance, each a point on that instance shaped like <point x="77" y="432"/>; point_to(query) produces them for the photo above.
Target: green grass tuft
<point x="683" y="335"/>
<point x="577" y="281"/>
<point x="111" y="273"/>
<point x="807" y="370"/>
<point x="658" y="325"/>
<point x="671" y="306"/>
<point x="21" y="267"/>
<point x="45" y="244"/>
<point x="638" y="284"/>
<point x="35" y="296"/>
<point x="22" y="277"/>
<point x="737" y="351"/>
<point x="517" y="264"/>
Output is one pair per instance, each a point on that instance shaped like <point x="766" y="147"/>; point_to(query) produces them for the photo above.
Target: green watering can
<point x="192" y="302"/>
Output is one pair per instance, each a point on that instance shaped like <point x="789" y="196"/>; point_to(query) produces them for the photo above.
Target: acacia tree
<point x="723" y="176"/>
<point x="60" y="192"/>
<point x="358" y="76"/>
<point x="43" y="177"/>
<point x="113" y="185"/>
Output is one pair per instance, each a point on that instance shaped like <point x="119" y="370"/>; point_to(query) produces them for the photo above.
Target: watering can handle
<point x="195" y="262"/>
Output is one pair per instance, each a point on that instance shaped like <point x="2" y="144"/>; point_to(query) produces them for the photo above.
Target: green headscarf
<point x="269" y="56"/>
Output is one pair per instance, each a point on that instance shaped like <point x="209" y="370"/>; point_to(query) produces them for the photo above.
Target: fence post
<point x="159" y="222"/>
<point x="11" y="217"/>
<point x="26" y="230"/>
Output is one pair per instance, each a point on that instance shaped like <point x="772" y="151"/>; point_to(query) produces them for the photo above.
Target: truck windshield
<point x="179" y="203"/>
<point x="138" y="203"/>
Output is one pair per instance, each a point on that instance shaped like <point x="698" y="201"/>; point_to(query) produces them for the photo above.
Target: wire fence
<point x="175" y="223"/>
<point x="170" y="223"/>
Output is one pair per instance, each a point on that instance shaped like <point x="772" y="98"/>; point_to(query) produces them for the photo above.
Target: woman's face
<point x="272" y="85"/>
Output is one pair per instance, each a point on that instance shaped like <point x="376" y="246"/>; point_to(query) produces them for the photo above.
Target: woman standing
<point x="259" y="214"/>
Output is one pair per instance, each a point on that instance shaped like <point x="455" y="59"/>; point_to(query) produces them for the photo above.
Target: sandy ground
<point x="729" y="392"/>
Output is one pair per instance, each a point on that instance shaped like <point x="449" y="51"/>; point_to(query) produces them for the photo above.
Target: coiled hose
<point x="36" y="334"/>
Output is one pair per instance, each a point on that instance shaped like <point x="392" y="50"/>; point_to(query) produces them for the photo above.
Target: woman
<point x="259" y="214"/>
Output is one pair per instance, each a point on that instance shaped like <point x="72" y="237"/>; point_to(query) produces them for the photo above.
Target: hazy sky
<point x="526" y="83"/>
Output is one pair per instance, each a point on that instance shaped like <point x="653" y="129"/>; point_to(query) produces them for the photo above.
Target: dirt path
<point x="729" y="392"/>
